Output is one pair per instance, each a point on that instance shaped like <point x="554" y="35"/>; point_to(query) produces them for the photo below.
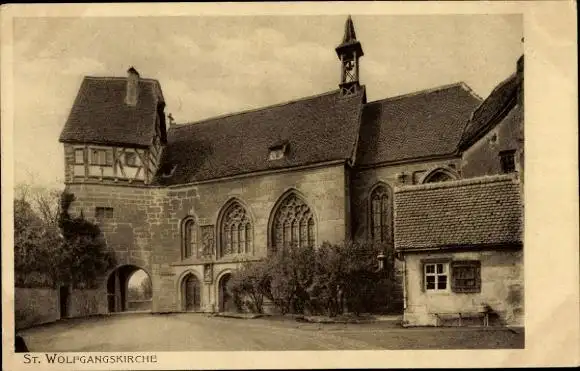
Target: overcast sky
<point x="214" y="65"/>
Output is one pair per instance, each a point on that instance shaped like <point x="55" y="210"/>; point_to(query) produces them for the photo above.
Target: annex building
<point x="434" y="174"/>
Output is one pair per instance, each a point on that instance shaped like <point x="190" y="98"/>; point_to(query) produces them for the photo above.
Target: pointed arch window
<point x="380" y="215"/>
<point x="190" y="238"/>
<point x="293" y="224"/>
<point x="236" y="230"/>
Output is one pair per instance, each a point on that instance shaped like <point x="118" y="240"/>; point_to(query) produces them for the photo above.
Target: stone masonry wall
<point x="322" y="189"/>
<point x="482" y="158"/>
<point x="34" y="306"/>
<point x="502" y="288"/>
<point x="145" y="229"/>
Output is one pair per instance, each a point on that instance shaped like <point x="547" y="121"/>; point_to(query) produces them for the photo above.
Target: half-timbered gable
<point x="115" y="131"/>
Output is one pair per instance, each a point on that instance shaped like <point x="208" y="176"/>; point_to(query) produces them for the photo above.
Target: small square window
<point x="508" y="161"/>
<point x="276" y="154"/>
<point x="101" y="157"/>
<point x="435" y="276"/>
<point x="131" y="159"/>
<point x="278" y="151"/>
<point x="102" y="213"/>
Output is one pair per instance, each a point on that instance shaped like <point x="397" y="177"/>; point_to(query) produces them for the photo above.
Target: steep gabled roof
<point x="499" y="102"/>
<point x="425" y="123"/>
<point x="464" y="213"/>
<point x="315" y="129"/>
<point x="99" y="114"/>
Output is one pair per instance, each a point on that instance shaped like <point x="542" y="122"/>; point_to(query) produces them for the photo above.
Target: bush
<point x="250" y="284"/>
<point x="85" y="256"/>
<point x="346" y="277"/>
<point x="63" y="250"/>
<point x="328" y="280"/>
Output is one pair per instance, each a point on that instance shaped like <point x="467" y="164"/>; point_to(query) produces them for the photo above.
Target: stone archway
<point x="190" y="293"/>
<point x="226" y="300"/>
<point x="129" y="289"/>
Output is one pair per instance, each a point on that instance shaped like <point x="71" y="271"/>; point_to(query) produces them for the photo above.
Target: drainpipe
<point x="404" y="284"/>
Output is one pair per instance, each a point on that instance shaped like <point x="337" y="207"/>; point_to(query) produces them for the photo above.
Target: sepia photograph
<point x="267" y="182"/>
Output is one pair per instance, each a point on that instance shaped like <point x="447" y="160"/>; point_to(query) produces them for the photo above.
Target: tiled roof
<point x="100" y="115"/>
<point x="426" y="123"/>
<point x="499" y="102"/>
<point x="316" y="129"/>
<point x="470" y="212"/>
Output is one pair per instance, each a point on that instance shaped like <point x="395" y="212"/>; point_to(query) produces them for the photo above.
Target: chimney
<point x="132" y="87"/>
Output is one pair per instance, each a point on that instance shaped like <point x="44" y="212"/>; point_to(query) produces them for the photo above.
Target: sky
<point x="209" y="66"/>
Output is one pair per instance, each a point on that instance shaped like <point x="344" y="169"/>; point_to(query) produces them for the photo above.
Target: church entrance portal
<point x="191" y="291"/>
<point x="129" y="289"/>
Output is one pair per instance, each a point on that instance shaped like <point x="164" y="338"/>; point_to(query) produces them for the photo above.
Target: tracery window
<point x="190" y="239"/>
<point x="293" y="224"/>
<point x="380" y="218"/>
<point x="236" y="230"/>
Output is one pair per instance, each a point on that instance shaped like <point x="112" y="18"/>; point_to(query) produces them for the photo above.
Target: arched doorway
<point x="191" y="293"/>
<point x="226" y="297"/>
<point x="129" y="289"/>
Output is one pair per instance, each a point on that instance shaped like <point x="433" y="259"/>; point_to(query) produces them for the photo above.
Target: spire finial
<point x="349" y="34"/>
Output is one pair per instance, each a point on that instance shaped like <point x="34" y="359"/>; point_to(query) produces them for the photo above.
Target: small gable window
<point x="79" y="156"/>
<point x="101" y="157"/>
<point x="508" y="161"/>
<point x="278" y="151"/>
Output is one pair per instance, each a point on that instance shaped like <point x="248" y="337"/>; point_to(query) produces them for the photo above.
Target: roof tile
<point x="426" y="123"/>
<point x="476" y="211"/>
<point x="316" y="129"/>
<point x="100" y="115"/>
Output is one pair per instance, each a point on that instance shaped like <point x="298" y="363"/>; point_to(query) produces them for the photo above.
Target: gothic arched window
<point x="190" y="241"/>
<point x="236" y="230"/>
<point x="380" y="214"/>
<point x="293" y="223"/>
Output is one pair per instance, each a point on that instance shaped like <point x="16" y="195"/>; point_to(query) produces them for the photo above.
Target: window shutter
<point x="423" y="283"/>
<point x="466" y="276"/>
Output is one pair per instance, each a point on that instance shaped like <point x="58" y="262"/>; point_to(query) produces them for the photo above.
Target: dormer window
<point x="278" y="151"/>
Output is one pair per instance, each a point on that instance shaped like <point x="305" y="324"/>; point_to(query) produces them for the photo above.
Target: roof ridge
<point x="146" y="79"/>
<point x="497" y="86"/>
<point x="252" y="110"/>
<point x="426" y="91"/>
<point x="486" y="179"/>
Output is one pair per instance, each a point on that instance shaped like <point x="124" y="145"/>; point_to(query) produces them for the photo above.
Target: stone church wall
<point x="145" y="229"/>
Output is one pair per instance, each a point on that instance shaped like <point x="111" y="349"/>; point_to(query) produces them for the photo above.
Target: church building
<point x="187" y="203"/>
